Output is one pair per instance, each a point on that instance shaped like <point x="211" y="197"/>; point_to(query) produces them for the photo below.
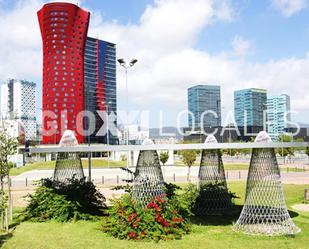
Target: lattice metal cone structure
<point x="265" y="211"/>
<point x="213" y="197"/>
<point x="68" y="164"/>
<point x="148" y="178"/>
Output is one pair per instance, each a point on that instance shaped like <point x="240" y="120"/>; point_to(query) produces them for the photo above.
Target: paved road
<point x="171" y="174"/>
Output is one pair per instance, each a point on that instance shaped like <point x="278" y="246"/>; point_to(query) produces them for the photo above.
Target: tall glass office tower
<point x="202" y="99"/>
<point x="100" y="86"/>
<point x="278" y="114"/>
<point x="249" y="107"/>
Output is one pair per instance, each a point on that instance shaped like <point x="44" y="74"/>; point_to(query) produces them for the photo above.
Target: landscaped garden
<point x="67" y="211"/>
<point x="209" y="232"/>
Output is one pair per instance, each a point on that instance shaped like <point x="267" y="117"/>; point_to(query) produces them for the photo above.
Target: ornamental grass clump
<point x="161" y="219"/>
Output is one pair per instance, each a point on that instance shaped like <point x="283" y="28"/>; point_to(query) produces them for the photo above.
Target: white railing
<point x="101" y="148"/>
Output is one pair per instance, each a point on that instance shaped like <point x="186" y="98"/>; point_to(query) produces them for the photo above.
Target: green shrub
<point x="160" y="220"/>
<point x="203" y="198"/>
<point x="77" y="199"/>
<point x="45" y="204"/>
<point x="170" y="190"/>
<point x="188" y="198"/>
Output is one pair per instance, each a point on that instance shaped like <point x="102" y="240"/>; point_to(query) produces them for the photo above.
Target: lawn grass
<point x="236" y="166"/>
<point x="103" y="163"/>
<point x="95" y="163"/>
<point x="292" y="169"/>
<point x="227" y="166"/>
<point x="32" y="166"/>
<point x="216" y="234"/>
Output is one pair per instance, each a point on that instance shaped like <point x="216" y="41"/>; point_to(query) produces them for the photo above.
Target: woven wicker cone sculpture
<point x="214" y="196"/>
<point x="265" y="211"/>
<point x="148" y="178"/>
<point x="68" y="164"/>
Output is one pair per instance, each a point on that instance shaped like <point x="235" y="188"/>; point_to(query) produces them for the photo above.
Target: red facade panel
<point x="64" y="28"/>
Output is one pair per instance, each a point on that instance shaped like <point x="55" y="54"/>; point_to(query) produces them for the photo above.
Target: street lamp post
<point x="88" y="137"/>
<point x="107" y="127"/>
<point x="230" y="138"/>
<point x="126" y="66"/>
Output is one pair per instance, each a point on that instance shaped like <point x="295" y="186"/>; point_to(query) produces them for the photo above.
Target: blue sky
<point x="123" y="11"/>
<point x="274" y="36"/>
<point x="179" y="43"/>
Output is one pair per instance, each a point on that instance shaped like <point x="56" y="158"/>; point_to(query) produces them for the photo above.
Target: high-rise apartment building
<point x="278" y="114"/>
<point x="64" y="28"/>
<point x="4" y="101"/>
<point x="204" y="102"/>
<point x="18" y="103"/>
<point x="249" y="107"/>
<point x="100" y="86"/>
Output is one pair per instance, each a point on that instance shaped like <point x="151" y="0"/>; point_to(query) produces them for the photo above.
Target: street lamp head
<point x="132" y="62"/>
<point x="121" y="61"/>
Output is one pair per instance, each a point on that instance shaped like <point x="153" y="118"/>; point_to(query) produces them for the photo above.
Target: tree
<point x="284" y="152"/>
<point x="8" y="147"/>
<point x="231" y="152"/>
<point x="188" y="158"/>
<point x="164" y="157"/>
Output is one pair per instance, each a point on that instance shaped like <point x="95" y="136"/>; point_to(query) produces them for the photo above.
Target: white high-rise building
<point x="18" y="102"/>
<point x="4" y="100"/>
<point x="278" y="114"/>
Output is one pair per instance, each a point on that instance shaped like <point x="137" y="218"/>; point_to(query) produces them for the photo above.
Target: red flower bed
<point x="160" y="220"/>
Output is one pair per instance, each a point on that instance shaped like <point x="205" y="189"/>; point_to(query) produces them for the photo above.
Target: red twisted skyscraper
<point x="64" y="30"/>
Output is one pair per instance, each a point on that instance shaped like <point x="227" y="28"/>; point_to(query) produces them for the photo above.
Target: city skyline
<point x="236" y="60"/>
<point x="154" y="123"/>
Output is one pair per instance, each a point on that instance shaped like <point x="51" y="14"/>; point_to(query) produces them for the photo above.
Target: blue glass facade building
<point x="100" y="85"/>
<point x="201" y="99"/>
<point x="249" y="107"/>
<point x="278" y="115"/>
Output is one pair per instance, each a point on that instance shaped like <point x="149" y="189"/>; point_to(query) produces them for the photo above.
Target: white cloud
<point x="289" y="7"/>
<point x="168" y="25"/>
<point x="20" y="40"/>
<point x="241" y="46"/>
<point x="163" y="42"/>
<point x="224" y="11"/>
